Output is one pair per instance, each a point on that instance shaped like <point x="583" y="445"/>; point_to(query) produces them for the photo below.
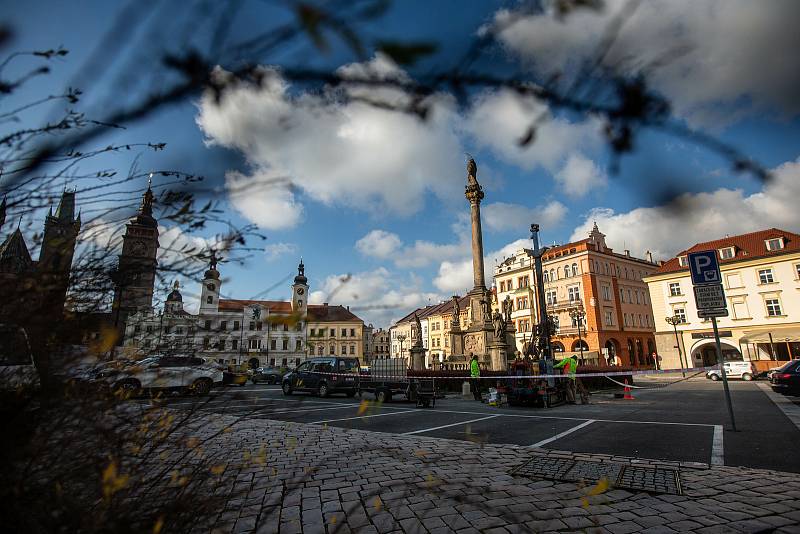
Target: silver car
<point x="162" y="372"/>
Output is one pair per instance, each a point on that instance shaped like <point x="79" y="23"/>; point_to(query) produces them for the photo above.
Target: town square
<point x="372" y="266"/>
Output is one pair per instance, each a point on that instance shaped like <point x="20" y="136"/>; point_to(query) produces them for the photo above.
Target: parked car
<point x="161" y="372"/>
<point x="266" y="374"/>
<point x="743" y="370"/>
<point x="17" y="368"/>
<point x="786" y="380"/>
<point x="324" y="376"/>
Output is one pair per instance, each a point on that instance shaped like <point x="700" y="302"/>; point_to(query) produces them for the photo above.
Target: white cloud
<point x="580" y="175"/>
<point x="379" y="244"/>
<point x="499" y="119"/>
<point x="502" y="216"/>
<point x="388" y="246"/>
<point x="736" y="56"/>
<point x="696" y="217"/>
<point x="456" y="276"/>
<point x="379" y="297"/>
<point x="264" y="199"/>
<point x="275" y="251"/>
<point x="351" y="153"/>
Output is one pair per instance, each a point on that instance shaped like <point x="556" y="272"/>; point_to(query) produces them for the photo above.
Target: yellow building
<point x="761" y="279"/>
<point x="334" y="330"/>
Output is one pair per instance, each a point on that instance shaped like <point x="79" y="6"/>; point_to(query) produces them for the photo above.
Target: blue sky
<point x="379" y="195"/>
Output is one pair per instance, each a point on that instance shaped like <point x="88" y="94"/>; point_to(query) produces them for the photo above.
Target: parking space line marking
<point x="789" y="409"/>
<point x="567" y="418"/>
<point x="448" y="426"/>
<point x="360" y="417"/>
<point x="717" y="455"/>
<point x="561" y="435"/>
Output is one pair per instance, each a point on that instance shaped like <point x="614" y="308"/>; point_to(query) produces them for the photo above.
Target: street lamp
<point x="675" y="321"/>
<point x="578" y="315"/>
<point x="401" y="338"/>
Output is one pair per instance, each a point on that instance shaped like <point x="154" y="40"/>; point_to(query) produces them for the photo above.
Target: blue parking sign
<point x="704" y="267"/>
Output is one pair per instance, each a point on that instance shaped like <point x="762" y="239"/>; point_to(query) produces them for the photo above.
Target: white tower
<point x="209" y="296"/>
<point x="300" y="291"/>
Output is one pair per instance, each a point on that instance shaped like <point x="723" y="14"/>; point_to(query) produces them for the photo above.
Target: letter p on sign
<point x="704" y="267"/>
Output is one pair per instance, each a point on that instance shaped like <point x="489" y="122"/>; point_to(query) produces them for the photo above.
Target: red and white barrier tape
<point x="560" y="375"/>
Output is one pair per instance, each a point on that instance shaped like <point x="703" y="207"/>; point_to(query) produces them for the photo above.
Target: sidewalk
<point x="320" y="479"/>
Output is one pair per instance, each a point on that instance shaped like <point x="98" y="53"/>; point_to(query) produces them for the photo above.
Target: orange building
<point x="587" y="276"/>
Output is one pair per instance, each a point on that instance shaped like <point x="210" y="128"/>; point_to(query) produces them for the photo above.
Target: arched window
<point x="210" y="300"/>
<point x="558" y="346"/>
<point x="574" y="269"/>
<point x="320" y="350"/>
<point x="553" y="275"/>
<point x="566" y="271"/>
<point x="545" y="276"/>
<point x="333" y="349"/>
<point x="211" y="287"/>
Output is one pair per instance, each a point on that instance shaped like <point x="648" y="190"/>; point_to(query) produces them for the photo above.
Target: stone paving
<point x="319" y="479"/>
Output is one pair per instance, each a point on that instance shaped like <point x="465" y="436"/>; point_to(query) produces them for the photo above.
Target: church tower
<point x="135" y="277"/>
<point x="300" y="291"/>
<point x="58" y="248"/>
<point x="209" y="294"/>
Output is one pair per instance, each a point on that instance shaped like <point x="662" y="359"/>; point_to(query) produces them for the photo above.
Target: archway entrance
<point x="705" y="353"/>
<point x="557" y="346"/>
<point x="253" y="363"/>
<point x="612" y="347"/>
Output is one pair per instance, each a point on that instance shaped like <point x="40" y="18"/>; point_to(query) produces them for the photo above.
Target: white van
<point x="743" y="370"/>
<point x="161" y="372"/>
<point x="17" y="369"/>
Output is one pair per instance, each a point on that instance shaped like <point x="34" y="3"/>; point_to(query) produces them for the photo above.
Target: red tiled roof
<point x="746" y="247"/>
<point x="433" y="309"/>
<point x="323" y="313"/>
<point x="316" y="312"/>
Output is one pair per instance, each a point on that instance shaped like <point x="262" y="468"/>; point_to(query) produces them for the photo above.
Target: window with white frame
<point x="682" y="261"/>
<point x="551" y="297"/>
<point x="625" y="319"/>
<point x="765" y="276"/>
<point x="606" y="292"/>
<point x="740" y="310"/>
<point x="574" y="293"/>
<point x="566" y="271"/>
<point x="622" y="295"/>
<point x="773" y="307"/>
<point x="727" y="253"/>
<point x="574" y="269"/>
<point x="680" y="314"/>
<point x="797" y="271"/>
<point x="609" y="318"/>
<point x="774" y="244"/>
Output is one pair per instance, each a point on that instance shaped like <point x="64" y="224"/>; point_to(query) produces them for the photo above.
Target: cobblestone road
<point x="320" y="479"/>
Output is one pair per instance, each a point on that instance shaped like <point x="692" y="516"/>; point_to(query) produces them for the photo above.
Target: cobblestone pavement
<point x="319" y="479"/>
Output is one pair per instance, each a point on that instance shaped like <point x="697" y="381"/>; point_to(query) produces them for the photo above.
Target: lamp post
<point x="577" y="314"/>
<point x="675" y="321"/>
<point x="401" y="338"/>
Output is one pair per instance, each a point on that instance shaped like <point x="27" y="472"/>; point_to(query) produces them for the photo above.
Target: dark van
<point x="324" y="376"/>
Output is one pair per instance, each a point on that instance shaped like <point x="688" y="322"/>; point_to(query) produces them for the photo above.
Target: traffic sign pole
<point x="724" y="375"/>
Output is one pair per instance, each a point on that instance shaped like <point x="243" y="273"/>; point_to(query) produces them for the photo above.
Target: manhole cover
<point x="643" y="478"/>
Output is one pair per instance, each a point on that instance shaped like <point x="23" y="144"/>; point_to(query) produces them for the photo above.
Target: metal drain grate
<point x="643" y="478"/>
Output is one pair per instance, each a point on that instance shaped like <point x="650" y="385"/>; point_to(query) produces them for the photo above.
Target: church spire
<point x="301" y="274"/>
<point x="146" y="208"/>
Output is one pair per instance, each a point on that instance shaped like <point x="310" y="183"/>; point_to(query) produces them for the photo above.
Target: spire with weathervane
<point x="300" y="291"/>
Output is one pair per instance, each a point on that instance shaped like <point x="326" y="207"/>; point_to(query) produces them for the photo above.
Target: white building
<point x="761" y="279"/>
<point x="255" y="332"/>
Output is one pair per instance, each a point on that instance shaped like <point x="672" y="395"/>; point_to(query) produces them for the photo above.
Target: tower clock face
<point x="300" y="291"/>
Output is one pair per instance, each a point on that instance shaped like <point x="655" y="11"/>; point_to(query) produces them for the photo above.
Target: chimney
<point x="649" y="256"/>
<point x="627" y="252"/>
<point x="324" y="303"/>
<point x="348" y="307"/>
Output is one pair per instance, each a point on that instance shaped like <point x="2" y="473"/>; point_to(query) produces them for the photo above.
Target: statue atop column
<point x="456" y="312"/>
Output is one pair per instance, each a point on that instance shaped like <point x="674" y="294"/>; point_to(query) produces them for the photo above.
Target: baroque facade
<point x="761" y="280"/>
<point x="584" y="276"/>
<point x="253" y="332"/>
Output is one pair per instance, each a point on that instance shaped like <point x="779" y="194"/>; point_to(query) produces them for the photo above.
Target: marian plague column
<point x="481" y="338"/>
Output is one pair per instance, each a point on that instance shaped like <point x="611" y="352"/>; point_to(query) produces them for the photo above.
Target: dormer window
<point x="727" y="253"/>
<point x="682" y="261"/>
<point x="774" y="244"/>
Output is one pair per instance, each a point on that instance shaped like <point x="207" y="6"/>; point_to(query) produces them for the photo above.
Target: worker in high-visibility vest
<point x="570" y="365"/>
<point x="475" y="381"/>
